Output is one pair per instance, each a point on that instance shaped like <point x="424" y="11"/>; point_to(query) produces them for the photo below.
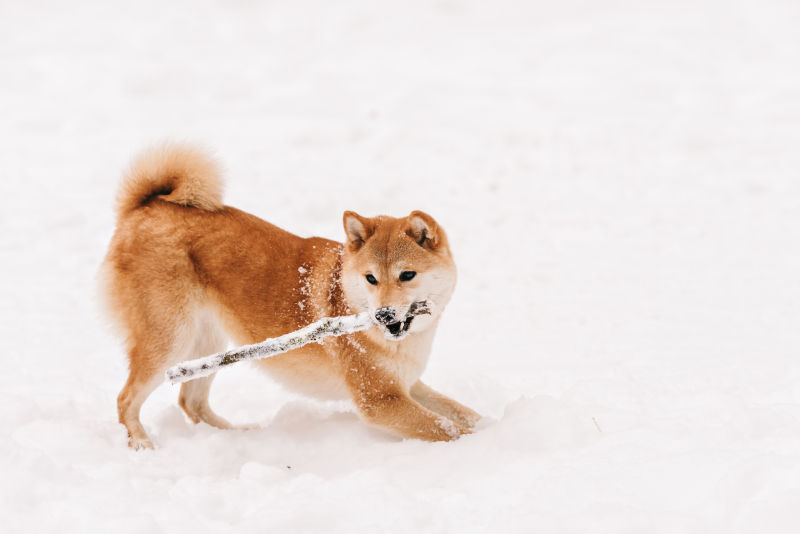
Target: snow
<point x="619" y="183"/>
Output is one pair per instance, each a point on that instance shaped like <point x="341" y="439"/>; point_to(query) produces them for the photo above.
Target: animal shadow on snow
<point x="299" y="421"/>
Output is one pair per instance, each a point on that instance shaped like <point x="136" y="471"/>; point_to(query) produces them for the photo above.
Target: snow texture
<point x="620" y="185"/>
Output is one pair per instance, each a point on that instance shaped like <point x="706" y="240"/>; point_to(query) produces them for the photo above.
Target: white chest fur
<point x="407" y="359"/>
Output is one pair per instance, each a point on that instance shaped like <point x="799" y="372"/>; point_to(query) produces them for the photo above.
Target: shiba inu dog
<point x="185" y="274"/>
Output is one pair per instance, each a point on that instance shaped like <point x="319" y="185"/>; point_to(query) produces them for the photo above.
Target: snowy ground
<point x="621" y="185"/>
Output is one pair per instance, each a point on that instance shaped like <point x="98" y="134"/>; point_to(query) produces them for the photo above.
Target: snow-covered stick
<point x="328" y="326"/>
<point x="316" y="331"/>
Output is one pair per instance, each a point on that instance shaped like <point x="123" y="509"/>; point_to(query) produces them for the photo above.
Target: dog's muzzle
<point x="396" y="327"/>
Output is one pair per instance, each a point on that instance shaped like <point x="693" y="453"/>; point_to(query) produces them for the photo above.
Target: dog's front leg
<point x="433" y="400"/>
<point x="380" y="402"/>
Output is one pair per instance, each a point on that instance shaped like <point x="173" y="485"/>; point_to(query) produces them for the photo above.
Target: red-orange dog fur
<point x="184" y="274"/>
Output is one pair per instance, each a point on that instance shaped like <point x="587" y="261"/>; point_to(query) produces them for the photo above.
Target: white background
<point x="621" y="186"/>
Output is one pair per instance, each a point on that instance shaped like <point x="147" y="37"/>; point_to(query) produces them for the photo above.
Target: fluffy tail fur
<point x="177" y="173"/>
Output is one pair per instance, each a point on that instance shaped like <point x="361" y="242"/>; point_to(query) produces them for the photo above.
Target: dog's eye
<point x="371" y="279"/>
<point x="405" y="276"/>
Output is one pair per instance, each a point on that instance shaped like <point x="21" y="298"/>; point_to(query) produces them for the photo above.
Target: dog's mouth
<point x="400" y="328"/>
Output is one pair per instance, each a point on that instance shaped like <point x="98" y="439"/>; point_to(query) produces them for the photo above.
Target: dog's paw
<point x="471" y="420"/>
<point x="453" y="430"/>
<point x="466" y="418"/>
<point x="140" y="444"/>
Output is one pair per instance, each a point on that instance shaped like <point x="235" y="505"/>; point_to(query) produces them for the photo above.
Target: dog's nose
<point x="385" y="315"/>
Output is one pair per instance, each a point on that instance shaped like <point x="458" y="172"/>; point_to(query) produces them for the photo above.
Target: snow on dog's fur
<point x="184" y="274"/>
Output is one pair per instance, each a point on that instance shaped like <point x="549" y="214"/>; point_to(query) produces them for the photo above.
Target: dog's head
<point x="393" y="267"/>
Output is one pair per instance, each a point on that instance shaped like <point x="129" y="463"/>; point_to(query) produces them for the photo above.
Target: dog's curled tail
<point x="179" y="173"/>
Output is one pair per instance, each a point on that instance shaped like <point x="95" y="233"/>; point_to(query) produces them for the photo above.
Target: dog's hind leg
<point x="194" y="401"/>
<point x="142" y="380"/>
<point x="193" y="398"/>
<point x="168" y="337"/>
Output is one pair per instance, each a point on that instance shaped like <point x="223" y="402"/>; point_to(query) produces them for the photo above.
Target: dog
<point x="185" y="274"/>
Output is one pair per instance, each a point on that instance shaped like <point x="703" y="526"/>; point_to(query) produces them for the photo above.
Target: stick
<point x="316" y="331"/>
<point x="329" y="326"/>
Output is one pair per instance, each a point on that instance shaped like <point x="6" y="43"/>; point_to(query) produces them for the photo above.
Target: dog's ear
<point x="424" y="230"/>
<point x="357" y="229"/>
